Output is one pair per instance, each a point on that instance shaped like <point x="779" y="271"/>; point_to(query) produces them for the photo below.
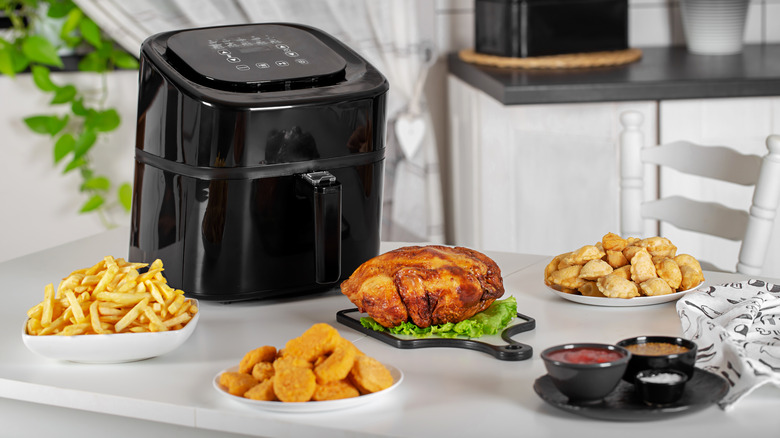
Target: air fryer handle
<point x="326" y="204"/>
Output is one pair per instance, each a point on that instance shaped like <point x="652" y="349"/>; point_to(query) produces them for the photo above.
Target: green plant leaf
<point x="63" y="147"/>
<point x="96" y="183"/>
<point x="75" y="164"/>
<point x="92" y="204"/>
<point x="64" y="94"/>
<point x="38" y="49"/>
<point x="103" y="121"/>
<point x="71" y="22"/>
<point x="42" y="78"/>
<point x="7" y="61"/>
<point x="90" y="31"/>
<point x="125" y="195"/>
<point x="46" y="124"/>
<point x="59" y="9"/>
<point x="84" y="143"/>
<point x="122" y="59"/>
<point x="93" y="62"/>
<point x="77" y="106"/>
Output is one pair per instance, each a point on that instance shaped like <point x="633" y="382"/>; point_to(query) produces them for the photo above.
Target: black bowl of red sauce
<point x="659" y="353"/>
<point x="586" y="371"/>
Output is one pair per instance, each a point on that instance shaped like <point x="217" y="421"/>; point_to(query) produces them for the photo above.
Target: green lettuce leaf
<point x="488" y="322"/>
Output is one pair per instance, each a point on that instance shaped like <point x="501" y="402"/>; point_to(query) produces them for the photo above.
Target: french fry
<point x="94" y="317"/>
<point x="131" y="315"/>
<point x="110" y="297"/>
<point x="48" y="305"/>
<point x="75" y="306"/>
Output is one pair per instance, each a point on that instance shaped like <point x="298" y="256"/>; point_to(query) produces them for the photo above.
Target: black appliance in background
<point x="259" y="160"/>
<point x="530" y="28"/>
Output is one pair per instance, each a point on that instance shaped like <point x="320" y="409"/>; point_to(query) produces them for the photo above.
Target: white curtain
<point x="389" y="34"/>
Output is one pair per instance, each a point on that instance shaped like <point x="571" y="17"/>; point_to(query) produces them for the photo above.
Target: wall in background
<point x="38" y="205"/>
<point x="652" y="23"/>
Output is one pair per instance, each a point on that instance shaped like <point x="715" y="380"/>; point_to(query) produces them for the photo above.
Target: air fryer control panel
<point x="259" y="54"/>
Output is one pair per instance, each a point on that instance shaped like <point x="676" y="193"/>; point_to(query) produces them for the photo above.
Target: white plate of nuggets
<point x="623" y="272"/>
<point x="315" y="372"/>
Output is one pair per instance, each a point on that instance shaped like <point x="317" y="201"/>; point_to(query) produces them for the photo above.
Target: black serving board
<point x="511" y="351"/>
<point x="623" y="404"/>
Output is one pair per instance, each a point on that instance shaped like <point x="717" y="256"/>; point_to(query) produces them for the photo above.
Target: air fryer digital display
<point x="256" y="54"/>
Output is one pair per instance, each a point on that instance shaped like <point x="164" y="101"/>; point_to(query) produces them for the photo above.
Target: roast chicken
<point x="426" y="285"/>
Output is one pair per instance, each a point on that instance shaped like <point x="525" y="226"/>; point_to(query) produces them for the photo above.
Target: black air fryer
<point x="259" y="160"/>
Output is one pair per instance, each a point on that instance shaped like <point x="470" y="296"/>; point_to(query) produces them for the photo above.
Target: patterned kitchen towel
<point x="737" y="329"/>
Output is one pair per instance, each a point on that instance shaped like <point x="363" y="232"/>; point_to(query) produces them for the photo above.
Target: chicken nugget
<point x="237" y="383"/>
<point x="294" y="384"/>
<point x="613" y="242"/>
<point x="691" y="277"/>
<point x="369" y="375"/>
<point x="616" y="259"/>
<point x="263" y="371"/>
<point x="335" y="391"/>
<point x="290" y="362"/>
<point x="654" y="287"/>
<point x="595" y="269"/>
<point x="337" y="365"/>
<point x="590" y="289"/>
<point x="318" y="340"/>
<point x="658" y="246"/>
<point x="262" y="391"/>
<point x="615" y="286"/>
<point x="642" y="267"/>
<point x="669" y="271"/>
<point x="266" y="353"/>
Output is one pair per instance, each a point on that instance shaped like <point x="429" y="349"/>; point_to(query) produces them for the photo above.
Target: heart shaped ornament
<point x="410" y="131"/>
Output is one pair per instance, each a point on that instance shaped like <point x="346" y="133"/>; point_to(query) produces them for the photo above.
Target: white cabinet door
<point x="535" y="178"/>
<point x="740" y="123"/>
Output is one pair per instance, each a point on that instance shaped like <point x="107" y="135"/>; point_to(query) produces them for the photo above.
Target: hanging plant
<point x="80" y="121"/>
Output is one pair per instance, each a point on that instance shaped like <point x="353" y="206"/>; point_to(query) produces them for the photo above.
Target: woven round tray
<point x="566" y="61"/>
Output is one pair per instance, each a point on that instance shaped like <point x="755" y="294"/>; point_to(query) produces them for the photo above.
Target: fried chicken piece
<point x="670" y="272"/>
<point x="642" y="267"/>
<point x="595" y="269"/>
<point x="654" y="287"/>
<point x="615" y="286"/>
<point x="426" y="285"/>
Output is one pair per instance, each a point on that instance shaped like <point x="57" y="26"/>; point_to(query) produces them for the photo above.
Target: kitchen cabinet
<point x="534" y="155"/>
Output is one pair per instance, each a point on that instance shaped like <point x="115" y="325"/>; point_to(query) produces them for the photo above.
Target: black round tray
<point x="511" y="351"/>
<point x="623" y="404"/>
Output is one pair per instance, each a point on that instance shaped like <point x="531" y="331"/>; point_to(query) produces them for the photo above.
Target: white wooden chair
<point x="753" y="228"/>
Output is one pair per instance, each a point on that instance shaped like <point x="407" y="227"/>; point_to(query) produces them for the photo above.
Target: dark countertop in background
<point x="662" y="73"/>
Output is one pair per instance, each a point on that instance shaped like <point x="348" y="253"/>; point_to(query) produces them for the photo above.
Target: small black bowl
<point x="660" y="387"/>
<point x="643" y="360"/>
<point x="585" y="382"/>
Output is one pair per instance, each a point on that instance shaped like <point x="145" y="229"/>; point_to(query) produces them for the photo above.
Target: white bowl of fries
<point x="110" y="313"/>
<point x="108" y="348"/>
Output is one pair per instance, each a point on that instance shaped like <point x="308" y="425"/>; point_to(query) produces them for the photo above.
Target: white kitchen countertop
<point x="445" y="392"/>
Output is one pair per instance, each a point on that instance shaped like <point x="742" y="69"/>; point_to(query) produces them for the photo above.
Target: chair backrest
<point x="752" y="227"/>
